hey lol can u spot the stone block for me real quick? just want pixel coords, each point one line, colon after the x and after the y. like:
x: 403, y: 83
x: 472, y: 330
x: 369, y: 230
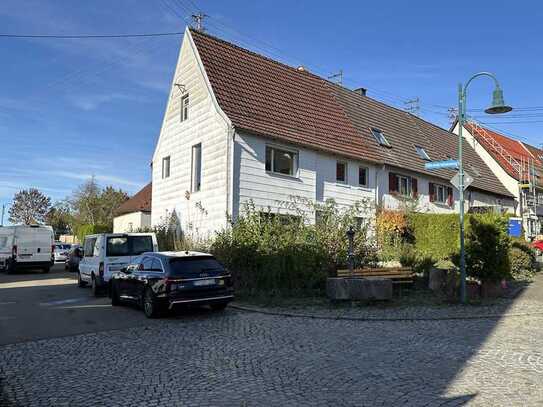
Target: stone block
x: 437, y: 279
x: 372, y: 288
x: 337, y: 288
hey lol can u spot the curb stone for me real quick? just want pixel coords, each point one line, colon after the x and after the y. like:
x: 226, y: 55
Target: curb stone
x: 378, y: 319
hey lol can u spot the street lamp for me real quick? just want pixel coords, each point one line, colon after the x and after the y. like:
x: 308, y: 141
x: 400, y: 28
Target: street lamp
x: 498, y: 106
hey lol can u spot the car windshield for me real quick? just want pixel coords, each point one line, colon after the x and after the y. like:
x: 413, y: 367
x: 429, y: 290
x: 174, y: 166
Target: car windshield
x: 128, y: 245
x: 189, y: 265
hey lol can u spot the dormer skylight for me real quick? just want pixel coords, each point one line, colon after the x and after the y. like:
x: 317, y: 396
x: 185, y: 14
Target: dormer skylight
x: 422, y: 153
x: 380, y: 137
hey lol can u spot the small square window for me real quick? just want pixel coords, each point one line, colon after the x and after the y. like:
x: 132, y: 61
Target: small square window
x: 166, y: 167
x: 281, y: 161
x: 362, y: 176
x: 422, y: 153
x: 341, y: 172
x: 380, y: 137
x: 184, y: 107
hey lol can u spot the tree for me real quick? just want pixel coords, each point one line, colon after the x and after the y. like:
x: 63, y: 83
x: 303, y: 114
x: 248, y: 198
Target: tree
x: 95, y: 206
x: 29, y: 206
x: 60, y: 217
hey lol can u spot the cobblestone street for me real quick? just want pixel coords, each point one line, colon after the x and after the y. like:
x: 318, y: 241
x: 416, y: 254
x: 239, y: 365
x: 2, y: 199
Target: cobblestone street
x: 247, y: 359
x: 95, y: 355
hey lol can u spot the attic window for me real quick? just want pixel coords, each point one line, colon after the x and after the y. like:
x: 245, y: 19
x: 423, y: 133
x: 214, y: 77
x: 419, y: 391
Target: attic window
x: 422, y: 153
x: 380, y: 137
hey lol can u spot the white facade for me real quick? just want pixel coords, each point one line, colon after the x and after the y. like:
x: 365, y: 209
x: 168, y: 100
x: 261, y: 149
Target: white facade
x: 233, y: 166
x: 203, y: 211
x: 131, y: 222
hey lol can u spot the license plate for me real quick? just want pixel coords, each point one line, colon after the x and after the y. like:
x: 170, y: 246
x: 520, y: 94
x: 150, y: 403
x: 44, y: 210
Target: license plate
x: 200, y: 283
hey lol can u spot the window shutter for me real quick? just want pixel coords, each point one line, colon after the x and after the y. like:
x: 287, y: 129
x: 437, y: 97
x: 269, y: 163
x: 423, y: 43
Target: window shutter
x: 414, y: 187
x: 392, y: 182
x: 431, y: 191
x: 450, y: 198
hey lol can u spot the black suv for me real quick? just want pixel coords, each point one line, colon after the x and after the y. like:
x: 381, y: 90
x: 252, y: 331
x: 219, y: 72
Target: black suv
x: 159, y: 281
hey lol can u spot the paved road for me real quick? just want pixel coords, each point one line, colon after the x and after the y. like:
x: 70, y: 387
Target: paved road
x: 246, y: 359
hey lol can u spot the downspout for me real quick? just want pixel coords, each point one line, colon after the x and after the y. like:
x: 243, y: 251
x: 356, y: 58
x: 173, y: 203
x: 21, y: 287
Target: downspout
x: 230, y: 139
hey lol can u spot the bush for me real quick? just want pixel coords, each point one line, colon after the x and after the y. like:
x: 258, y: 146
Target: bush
x: 523, y: 261
x: 487, y: 248
x: 284, y: 254
x: 84, y: 230
x: 435, y: 235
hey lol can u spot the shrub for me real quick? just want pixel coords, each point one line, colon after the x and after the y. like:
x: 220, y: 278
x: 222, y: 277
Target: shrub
x: 285, y: 254
x: 435, y: 235
x: 487, y: 248
x: 84, y: 230
x: 523, y: 261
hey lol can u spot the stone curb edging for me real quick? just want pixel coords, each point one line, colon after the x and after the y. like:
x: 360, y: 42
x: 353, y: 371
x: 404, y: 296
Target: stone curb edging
x: 376, y: 319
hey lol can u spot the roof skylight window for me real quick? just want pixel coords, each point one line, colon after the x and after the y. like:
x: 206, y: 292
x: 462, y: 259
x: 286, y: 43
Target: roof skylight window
x: 422, y: 153
x: 380, y: 137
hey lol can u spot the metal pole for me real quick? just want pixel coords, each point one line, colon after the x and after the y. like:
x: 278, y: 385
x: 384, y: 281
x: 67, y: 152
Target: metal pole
x: 461, y: 112
x: 350, y: 255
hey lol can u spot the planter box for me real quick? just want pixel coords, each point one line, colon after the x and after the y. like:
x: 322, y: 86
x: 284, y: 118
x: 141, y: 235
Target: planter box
x: 359, y: 289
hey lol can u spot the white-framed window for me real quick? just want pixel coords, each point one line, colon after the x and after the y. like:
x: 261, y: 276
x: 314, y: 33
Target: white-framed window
x: 281, y: 161
x: 341, y: 172
x: 402, y: 185
x: 363, y: 176
x: 165, y: 167
x: 184, y: 107
x: 380, y: 137
x: 422, y: 153
x: 196, y: 177
x: 441, y: 194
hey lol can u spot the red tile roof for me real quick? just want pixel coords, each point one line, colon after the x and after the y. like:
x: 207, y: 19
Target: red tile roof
x: 522, y: 153
x: 140, y: 202
x: 268, y: 98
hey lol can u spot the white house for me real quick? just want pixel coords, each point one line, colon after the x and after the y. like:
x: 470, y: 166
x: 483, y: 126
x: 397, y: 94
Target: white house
x: 135, y: 213
x: 240, y: 127
x: 518, y: 165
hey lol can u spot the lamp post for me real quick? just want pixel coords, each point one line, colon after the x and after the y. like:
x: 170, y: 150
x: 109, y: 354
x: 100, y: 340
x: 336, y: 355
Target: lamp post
x: 498, y: 106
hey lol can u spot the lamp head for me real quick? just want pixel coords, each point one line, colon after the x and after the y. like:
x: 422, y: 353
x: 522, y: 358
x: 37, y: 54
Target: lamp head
x: 498, y: 105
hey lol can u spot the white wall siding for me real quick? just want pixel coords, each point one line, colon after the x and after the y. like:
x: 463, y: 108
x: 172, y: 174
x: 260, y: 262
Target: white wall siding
x: 315, y: 181
x: 131, y: 222
x: 205, y: 125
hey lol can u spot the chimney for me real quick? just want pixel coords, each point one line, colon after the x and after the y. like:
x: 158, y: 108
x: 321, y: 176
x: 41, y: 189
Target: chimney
x: 361, y: 91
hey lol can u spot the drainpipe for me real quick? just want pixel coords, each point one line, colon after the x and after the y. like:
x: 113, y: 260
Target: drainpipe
x: 230, y: 138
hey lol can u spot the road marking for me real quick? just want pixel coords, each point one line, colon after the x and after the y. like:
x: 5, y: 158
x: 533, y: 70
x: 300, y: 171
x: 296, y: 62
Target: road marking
x: 38, y: 283
x: 86, y: 306
x: 8, y: 303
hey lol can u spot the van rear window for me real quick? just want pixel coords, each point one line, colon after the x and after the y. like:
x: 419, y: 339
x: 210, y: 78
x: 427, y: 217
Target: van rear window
x: 128, y: 245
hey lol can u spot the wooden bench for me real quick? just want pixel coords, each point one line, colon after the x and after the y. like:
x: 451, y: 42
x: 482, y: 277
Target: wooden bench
x: 398, y: 275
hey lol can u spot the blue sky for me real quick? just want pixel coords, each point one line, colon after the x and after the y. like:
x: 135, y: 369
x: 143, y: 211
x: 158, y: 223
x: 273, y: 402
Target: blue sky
x: 73, y: 108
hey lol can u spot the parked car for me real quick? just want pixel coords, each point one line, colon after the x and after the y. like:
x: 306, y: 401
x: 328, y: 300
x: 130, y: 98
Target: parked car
x: 31, y: 247
x: 538, y: 245
x: 6, y: 245
x: 61, y: 252
x: 106, y: 253
x: 161, y: 281
x: 73, y: 257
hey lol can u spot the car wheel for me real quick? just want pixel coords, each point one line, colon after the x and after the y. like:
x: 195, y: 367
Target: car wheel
x: 219, y: 306
x: 95, y: 289
x: 115, y: 300
x: 150, y: 306
x: 80, y: 282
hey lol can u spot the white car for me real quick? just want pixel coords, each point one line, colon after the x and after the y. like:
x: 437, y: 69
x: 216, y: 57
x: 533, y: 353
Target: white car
x: 31, y: 247
x: 61, y: 252
x: 106, y: 253
x: 6, y: 245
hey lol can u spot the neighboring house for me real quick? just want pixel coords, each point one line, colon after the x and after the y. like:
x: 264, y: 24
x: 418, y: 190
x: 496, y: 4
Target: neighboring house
x: 518, y: 165
x: 240, y: 127
x: 135, y: 213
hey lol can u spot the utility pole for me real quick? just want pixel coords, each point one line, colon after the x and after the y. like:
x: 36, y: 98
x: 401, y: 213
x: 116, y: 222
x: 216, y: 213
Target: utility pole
x: 338, y: 77
x: 412, y: 106
x: 199, y: 20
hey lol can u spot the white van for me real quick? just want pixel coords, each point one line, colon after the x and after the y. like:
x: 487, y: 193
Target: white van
x: 109, y: 252
x: 31, y: 246
x: 6, y: 245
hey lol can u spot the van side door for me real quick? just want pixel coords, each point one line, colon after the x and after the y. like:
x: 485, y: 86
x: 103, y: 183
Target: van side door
x: 88, y: 255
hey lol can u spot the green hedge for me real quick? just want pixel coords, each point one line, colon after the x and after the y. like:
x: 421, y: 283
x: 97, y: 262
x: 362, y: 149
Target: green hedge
x: 434, y: 235
x: 84, y: 230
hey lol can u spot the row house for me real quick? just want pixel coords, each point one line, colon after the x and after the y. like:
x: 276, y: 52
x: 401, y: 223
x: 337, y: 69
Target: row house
x: 240, y: 127
x: 518, y: 165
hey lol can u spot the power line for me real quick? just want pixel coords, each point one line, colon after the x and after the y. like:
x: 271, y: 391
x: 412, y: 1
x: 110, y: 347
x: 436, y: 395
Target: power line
x: 91, y: 36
